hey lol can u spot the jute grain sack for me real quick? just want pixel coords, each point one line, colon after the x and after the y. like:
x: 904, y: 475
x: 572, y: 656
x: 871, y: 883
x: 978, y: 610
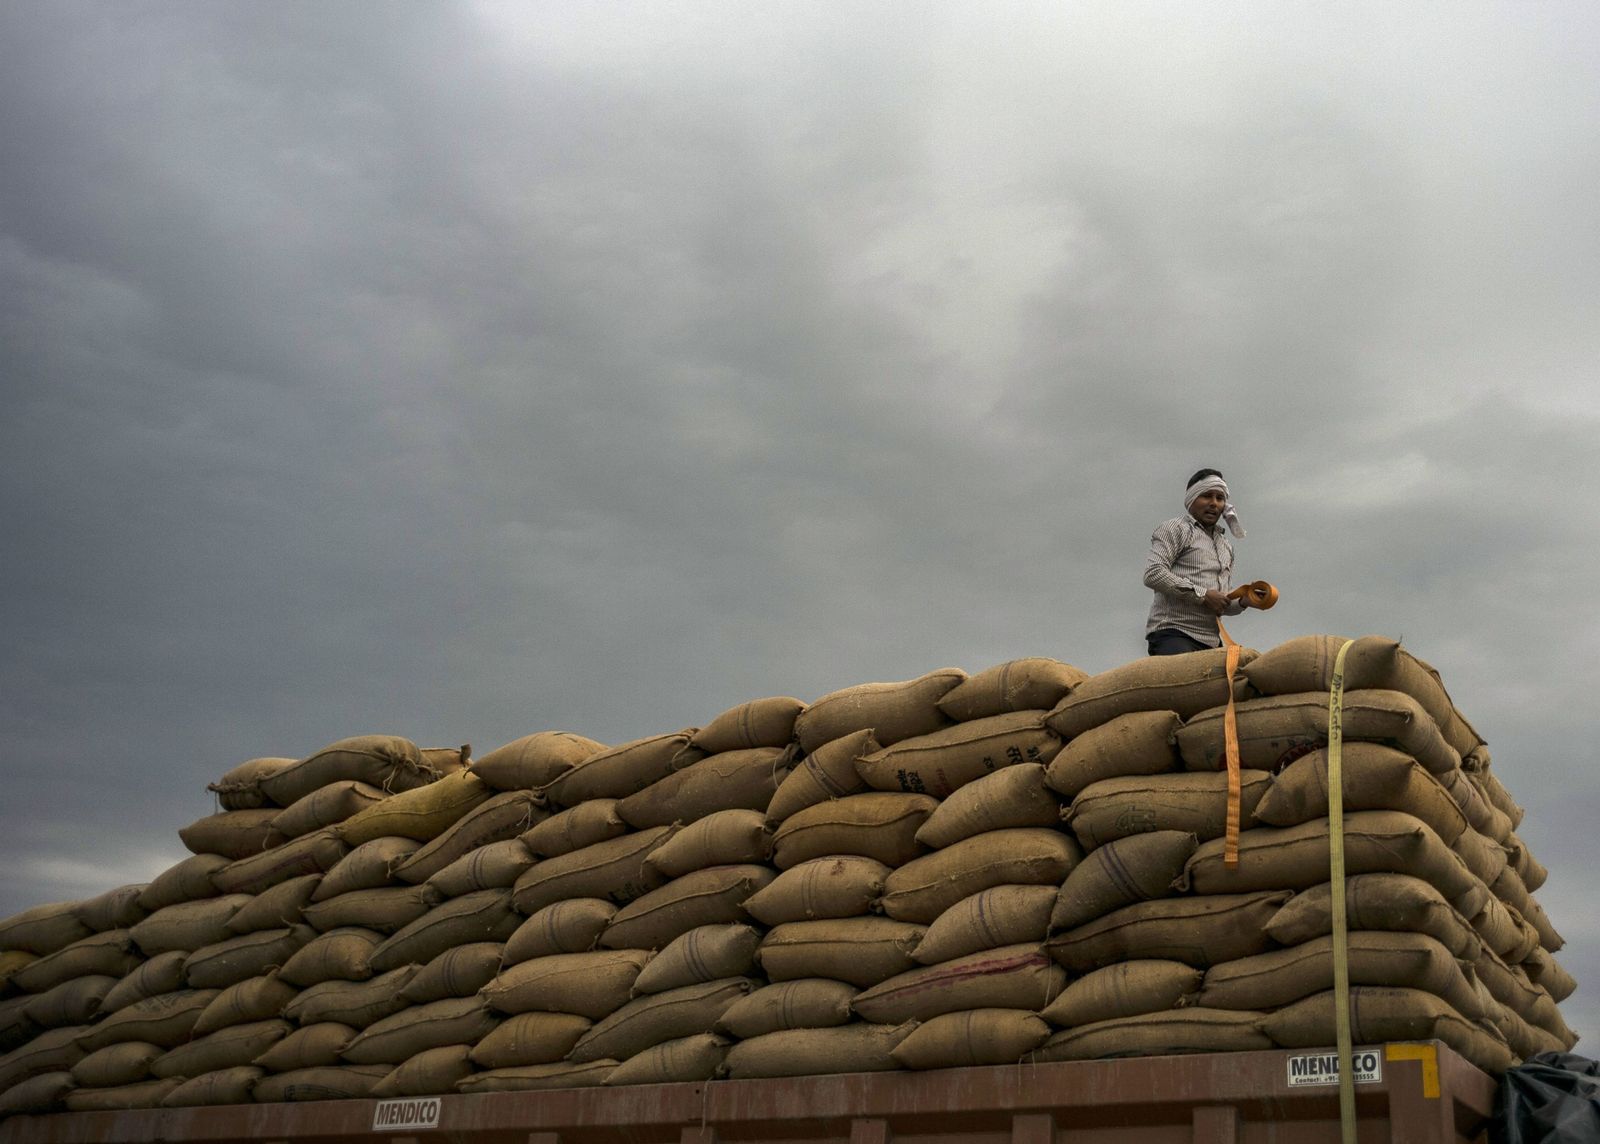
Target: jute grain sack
x: 758, y: 723
x: 334, y: 1082
x: 367, y: 867
x: 1306, y: 663
x: 233, y: 833
x: 15, y: 1028
x: 384, y: 761
x: 861, y: 951
x: 1544, y: 970
x: 326, y: 806
x: 1012, y: 797
x: 1199, y: 931
x: 74, y: 1002
x: 613, y: 869
x: 533, y: 1078
x: 534, y: 761
x: 1493, y: 791
x: 570, y: 926
x: 53, y: 1050
x: 145, y: 1094
x: 658, y: 1017
x: 163, y: 973
x: 166, y: 1020
x: 705, y: 953
x: 1502, y: 929
x: 591, y: 985
x: 1532, y: 872
x: 1510, y: 890
x: 925, y: 887
x: 875, y: 825
x: 828, y: 772
x: 423, y: 813
x: 234, y: 959
x: 40, y: 1094
x: 1193, y: 803
x: 1188, y: 684
x: 232, y: 1047
x: 254, y: 999
x: 281, y: 905
x: 1137, y: 868
x: 387, y: 909
x: 529, y: 1039
x: 1393, y: 902
x: 972, y: 1037
x: 724, y: 838
x: 1296, y: 857
x: 703, y: 897
x: 685, y: 1059
x: 498, y: 820
x: 187, y: 881
x: 988, y: 919
x: 402, y: 1035
x: 496, y: 866
x: 13, y: 961
x: 849, y: 1048
x: 805, y: 1003
x: 732, y: 780
x: 111, y: 953
x: 116, y: 909
x: 1138, y: 743
x: 1386, y: 1014
x: 482, y: 916
x: 123, y: 1063
x: 1376, y: 777
x: 622, y: 770
x: 1485, y: 858
x: 187, y: 926
x: 354, y: 1003
x: 459, y: 971
x: 838, y: 886
x: 223, y: 1086
x: 1480, y: 813
x: 43, y: 929
x: 240, y: 787
x: 1191, y: 1030
x: 1511, y: 987
x: 1034, y: 683
x: 310, y: 1046
x: 1012, y: 977
x: 892, y: 711
x: 1280, y: 977
x: 1278, y: 729
x: 431, y: 1072
x: 943, y: 761
x: 342, y: 954
x: 1125, y: 989
x: 573, y: 829
x: 314, y: 853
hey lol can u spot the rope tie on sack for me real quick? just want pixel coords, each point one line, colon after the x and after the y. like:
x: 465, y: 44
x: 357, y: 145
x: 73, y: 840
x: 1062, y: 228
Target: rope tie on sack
x: 1258, y: 594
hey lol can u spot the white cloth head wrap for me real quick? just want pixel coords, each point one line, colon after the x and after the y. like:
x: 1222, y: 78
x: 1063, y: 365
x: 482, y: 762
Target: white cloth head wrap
x: 1205, y: 485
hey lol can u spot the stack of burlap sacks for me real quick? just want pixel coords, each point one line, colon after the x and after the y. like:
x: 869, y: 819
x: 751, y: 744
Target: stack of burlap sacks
x: 1021, y: 865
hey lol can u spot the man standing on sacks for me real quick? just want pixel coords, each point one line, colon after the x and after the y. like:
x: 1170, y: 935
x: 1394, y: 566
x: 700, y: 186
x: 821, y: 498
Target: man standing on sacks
x: 1190, y: 569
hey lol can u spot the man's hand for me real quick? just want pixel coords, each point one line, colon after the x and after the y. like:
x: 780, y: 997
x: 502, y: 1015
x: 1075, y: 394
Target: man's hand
x: 1216, y: 601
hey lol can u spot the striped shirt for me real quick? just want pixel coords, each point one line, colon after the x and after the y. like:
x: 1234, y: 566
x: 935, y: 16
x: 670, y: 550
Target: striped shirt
x: 1184, y: 561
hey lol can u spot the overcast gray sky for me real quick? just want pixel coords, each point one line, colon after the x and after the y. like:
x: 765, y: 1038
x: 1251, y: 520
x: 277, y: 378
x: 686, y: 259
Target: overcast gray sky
x: 465, y: 370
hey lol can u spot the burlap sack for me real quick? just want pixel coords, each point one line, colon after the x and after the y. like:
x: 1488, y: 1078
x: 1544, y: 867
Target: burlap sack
x: 223, y: 1086
x: 144, y: 1094
x: 1137, y: 868
x: 43, y: 929
x: 1012, y: 977
x: 1014, y: 796
x: 1510, y: 890
x: 805, y: 1003
x: 1544, y: 970
x: 861, y: 951
x: 114, y: 909
x: 335, y: 1082
x: 925, y: 887
x: 496, y: 866
x: 732, y: 780
x: 658, y: 1017
x: 1187, y: 684
x: 1485, y: 858
x: 384, y: 761
x: 1195, y: 803
x: 838, y: 886
x: 423, y: 813
x: 692, y: 1058
x: 1476, y: 764
x: 724, y: 838
x: 112, y: 953
x: 1124, y: 989
x: 828, y: 772
x: 314, y: 853
x: 233, y: 1047
x: 891, y: 711
x: 1138, y: 743
x: 591, y: 985
x: 498, y: 820
x: 613, y: 869
x: 946, y: 760
x: 326, y: 806
x: 1306, y: 663
x: 533, y: 1078
x: 758, y: 723
x: 187, y: 881
x: 126, y: 1062
x: 529, y: 1039
x: 1375, y: 778
x: 54, y: 1050
x: 459, y: 971
x: 972, y: 1037
x: 187, y: 926
x: 482, y: 916
x: 354, y: 1003
x: 254, y: 999
x: 571, y: 926
x: 240, y: 787
x: 233, y: 833
x: 416, y: 1028
x: 40, y: 1094
x: 387, y: 909
x: 163, y: 973
x: 1384, y: 1014
x: 622, y: 770
x: 704, y: 897
x: 1199, y: 931
x: 74, y: 1002
x: 1532, y: 872
x: 534, y: 761
x: 1480, y: 813
x: 705, y: 953
x: 573, y: 829
x: 282, y: 905
x: 13, y: 961
x: 1502, y: 929
x: 431, y: 1072
x: 1157, y: 1034
x: 234, y: 959
x: 988, y: 919
x: 1512, y: 988
x: 875, y: 825
x: 342, y: 954
x: 310, y: 1046
x: 849, y: 1048
x: 1393, y: 902
x: 167, y: 1020
x: 367, y: 867
x: 1031, y: 684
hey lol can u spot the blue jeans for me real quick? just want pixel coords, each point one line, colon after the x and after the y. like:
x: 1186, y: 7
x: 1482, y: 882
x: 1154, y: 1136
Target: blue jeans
x: 1170, y: 641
